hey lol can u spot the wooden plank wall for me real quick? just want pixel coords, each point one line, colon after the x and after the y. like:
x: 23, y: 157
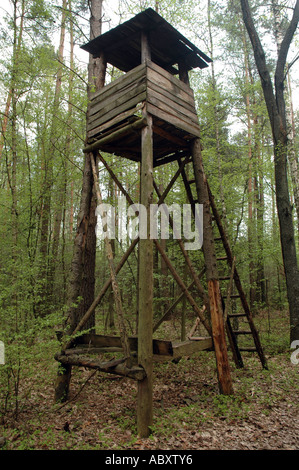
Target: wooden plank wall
x: 171, y: 100
x: 167, y: 98
x: 117, y: 101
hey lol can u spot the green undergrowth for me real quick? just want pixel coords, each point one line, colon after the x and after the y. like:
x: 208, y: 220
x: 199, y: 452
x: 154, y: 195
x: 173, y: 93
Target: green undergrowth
x: 101, y: 413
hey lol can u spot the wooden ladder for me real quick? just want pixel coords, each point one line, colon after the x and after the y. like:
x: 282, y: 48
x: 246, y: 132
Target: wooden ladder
x: 233, y: 334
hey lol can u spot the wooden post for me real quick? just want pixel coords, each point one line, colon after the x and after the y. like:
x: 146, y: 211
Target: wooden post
x: 216, y: 311
x: 145, y: 319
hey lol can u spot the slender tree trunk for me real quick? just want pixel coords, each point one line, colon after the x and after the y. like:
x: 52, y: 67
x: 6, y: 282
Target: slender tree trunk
x: 216, y: 119
x: 62, y: 176
x: 16, y: 54
x: 14, y: 208
x: 260, y: 207
x: 250, y: 187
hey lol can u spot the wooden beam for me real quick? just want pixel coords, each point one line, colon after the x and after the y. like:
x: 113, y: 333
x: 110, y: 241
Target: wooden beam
x: 168, y: 136
x: 86, y: 349
x: 161, y: 347
x: 145, y: 296
x: 112, y: 367
x: 223, y: 369
x: 116, y: 135
x: 187, y: 348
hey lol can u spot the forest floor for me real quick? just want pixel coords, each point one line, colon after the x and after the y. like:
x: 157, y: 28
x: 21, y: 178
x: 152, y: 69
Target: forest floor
x: 189, y: 413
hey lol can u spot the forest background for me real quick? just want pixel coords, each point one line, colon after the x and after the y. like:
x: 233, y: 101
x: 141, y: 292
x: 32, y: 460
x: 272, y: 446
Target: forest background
x: 43, y: 93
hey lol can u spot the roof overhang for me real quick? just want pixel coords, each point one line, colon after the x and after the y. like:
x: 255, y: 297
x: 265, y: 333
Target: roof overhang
x: 122, y: 45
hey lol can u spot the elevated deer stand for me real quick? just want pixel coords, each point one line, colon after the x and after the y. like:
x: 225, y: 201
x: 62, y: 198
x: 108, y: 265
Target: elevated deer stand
x: 148, y: 115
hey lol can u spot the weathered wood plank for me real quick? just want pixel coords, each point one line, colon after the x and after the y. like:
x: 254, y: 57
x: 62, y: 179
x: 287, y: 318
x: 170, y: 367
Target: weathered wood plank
x: 116, y: 98
x: 113, y: 106
x: 187, y: 348
x: 86, y: 349
x: 173, y: 80
x: 113, y: 122
x: 120, y: 82
x: 162, y: 347
x: 107, y: 115
x: 167, y: 105
x: 101, y: 341
x: 184, y: 101
x: 116, y: 135
x: 191, y: 129
x: 165, y: 84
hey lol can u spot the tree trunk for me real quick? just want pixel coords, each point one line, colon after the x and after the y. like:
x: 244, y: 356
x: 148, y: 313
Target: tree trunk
x: 276, y: 110
x: 250, y: 227
x: 82, y: 276
x: 292, y: 157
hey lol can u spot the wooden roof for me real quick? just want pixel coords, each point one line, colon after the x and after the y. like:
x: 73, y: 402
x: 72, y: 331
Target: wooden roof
x: 122, y: 45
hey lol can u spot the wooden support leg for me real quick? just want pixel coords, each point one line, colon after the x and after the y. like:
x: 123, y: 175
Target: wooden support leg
x: 216, y: 311
x: 145, y: 319
x: 224, y: 378
x: 62, y: 383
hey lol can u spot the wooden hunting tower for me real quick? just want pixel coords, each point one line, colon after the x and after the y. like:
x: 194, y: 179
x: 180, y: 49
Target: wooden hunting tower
x: 152, y: 53
x: 148, y: 115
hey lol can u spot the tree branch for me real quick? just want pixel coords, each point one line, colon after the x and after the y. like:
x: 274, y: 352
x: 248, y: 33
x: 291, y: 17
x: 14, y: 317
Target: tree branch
x: 260, y: 61
x: 281, y: 61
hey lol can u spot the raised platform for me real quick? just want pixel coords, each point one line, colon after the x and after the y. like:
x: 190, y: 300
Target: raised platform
x: 87, y: 347
x: 163, y: 348
x: 115, y: 115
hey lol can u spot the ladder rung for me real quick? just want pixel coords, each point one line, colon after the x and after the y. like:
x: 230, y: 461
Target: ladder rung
x: 242, y: 332
x: 222, y: 258
x: 236, y: 315
x: 217, y: 239
x: 224, y: 278
x: 234, y: 296
x: 191, y: 181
